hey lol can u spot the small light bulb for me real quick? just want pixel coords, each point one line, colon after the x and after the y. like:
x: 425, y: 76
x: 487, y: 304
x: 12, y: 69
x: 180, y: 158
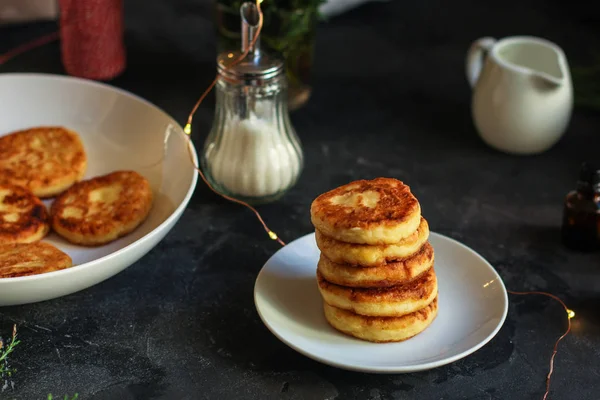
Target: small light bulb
x: 187, y: 129
x: 272, y: 235
x: 570, y: 313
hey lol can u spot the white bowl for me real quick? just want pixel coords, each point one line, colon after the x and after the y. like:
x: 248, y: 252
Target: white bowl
x: 119, y: 131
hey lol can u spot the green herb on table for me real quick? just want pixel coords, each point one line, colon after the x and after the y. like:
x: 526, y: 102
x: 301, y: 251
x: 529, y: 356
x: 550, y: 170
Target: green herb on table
x: 6, y: 348
x: 64, y: 398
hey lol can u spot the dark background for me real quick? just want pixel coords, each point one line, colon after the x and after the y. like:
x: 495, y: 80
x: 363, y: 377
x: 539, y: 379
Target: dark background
x: 390, y: 99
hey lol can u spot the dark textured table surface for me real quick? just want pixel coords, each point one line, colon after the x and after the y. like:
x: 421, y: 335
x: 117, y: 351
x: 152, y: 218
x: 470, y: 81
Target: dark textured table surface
x: 181, y: 322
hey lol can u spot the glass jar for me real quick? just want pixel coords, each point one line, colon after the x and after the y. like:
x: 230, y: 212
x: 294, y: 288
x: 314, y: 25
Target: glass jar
x: 252, y: 152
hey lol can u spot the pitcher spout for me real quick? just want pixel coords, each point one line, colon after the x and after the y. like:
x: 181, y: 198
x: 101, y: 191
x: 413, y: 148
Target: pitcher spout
x: 537, y: 57
x: 556, y: 71
x: 549, y: 80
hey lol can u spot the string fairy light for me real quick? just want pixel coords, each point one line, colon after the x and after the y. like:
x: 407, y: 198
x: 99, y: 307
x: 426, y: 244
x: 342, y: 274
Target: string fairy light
x: 272, y: 235
x: 188, y: 128
x: 570, y: 315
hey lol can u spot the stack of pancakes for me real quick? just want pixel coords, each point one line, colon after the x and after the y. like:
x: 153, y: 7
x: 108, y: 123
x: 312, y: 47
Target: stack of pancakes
x: 375, y: 271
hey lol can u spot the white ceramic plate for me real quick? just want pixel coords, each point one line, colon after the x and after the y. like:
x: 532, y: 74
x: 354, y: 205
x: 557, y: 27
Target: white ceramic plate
x: 472, y: 307
x: 119, y: 131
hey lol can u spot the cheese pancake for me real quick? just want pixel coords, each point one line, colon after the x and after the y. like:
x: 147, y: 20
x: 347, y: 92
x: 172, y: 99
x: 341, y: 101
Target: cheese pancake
x: 390, y: 274
x: 365, y: 255
x: 102, y: 209
x: 381, y: 329
x: 23, y: 259
x: 393, y: 301
x: 23, y: 217
x: 45, y: 160
x: 379, y: 211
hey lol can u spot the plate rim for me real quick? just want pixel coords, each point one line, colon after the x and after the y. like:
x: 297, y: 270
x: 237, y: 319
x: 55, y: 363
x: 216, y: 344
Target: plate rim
x: 156, y: 231
x: 391, y: 369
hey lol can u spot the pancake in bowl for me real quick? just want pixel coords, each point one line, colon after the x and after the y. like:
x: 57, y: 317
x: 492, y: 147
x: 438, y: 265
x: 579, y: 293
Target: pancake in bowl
x: 24, y: 259
x: 23, y: 217
x: 45, y: 160
x: 393, y: 301
x: 102, y: 209
x: 390, y: 274
x: 372, y: 255
x: 375, y: 212
x: 381, y: 329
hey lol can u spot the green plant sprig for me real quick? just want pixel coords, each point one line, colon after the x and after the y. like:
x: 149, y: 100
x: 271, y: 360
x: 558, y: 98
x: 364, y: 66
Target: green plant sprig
x: 5, y: 350
x: 75, y: 397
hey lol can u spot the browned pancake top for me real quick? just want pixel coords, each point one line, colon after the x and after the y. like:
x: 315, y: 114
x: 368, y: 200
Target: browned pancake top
x: 22, y: 215
x: 41, y: 158
x: 365, y: 202
x: 23, y: 259
x: 100, y: 205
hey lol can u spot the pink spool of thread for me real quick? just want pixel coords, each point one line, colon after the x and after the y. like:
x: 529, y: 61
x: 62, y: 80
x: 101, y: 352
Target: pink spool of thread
x: 91, y: 34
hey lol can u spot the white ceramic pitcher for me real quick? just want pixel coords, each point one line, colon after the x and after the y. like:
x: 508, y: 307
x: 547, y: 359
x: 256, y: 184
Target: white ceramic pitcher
x: 522, y: 93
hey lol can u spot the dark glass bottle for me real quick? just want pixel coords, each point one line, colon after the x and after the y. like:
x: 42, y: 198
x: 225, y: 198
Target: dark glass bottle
x: 581, y: 215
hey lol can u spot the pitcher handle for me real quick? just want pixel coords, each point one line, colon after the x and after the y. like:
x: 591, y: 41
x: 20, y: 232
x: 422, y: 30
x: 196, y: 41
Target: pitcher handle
x: 476, y: 57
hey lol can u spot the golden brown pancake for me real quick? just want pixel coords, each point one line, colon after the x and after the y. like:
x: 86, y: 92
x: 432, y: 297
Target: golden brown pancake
x: 379, y: 211
x: 23, y: 217
x: 372, y: 255
x: 381, y: 329
x: 45, y: 160
x: 390, y: 274
x: 102, y: 209
x: 23, y: 259
x: 393, y: 301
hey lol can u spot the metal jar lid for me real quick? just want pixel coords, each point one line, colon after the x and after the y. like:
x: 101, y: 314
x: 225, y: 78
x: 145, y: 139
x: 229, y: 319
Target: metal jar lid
x: 250, y: 68
x: 257, y: 65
